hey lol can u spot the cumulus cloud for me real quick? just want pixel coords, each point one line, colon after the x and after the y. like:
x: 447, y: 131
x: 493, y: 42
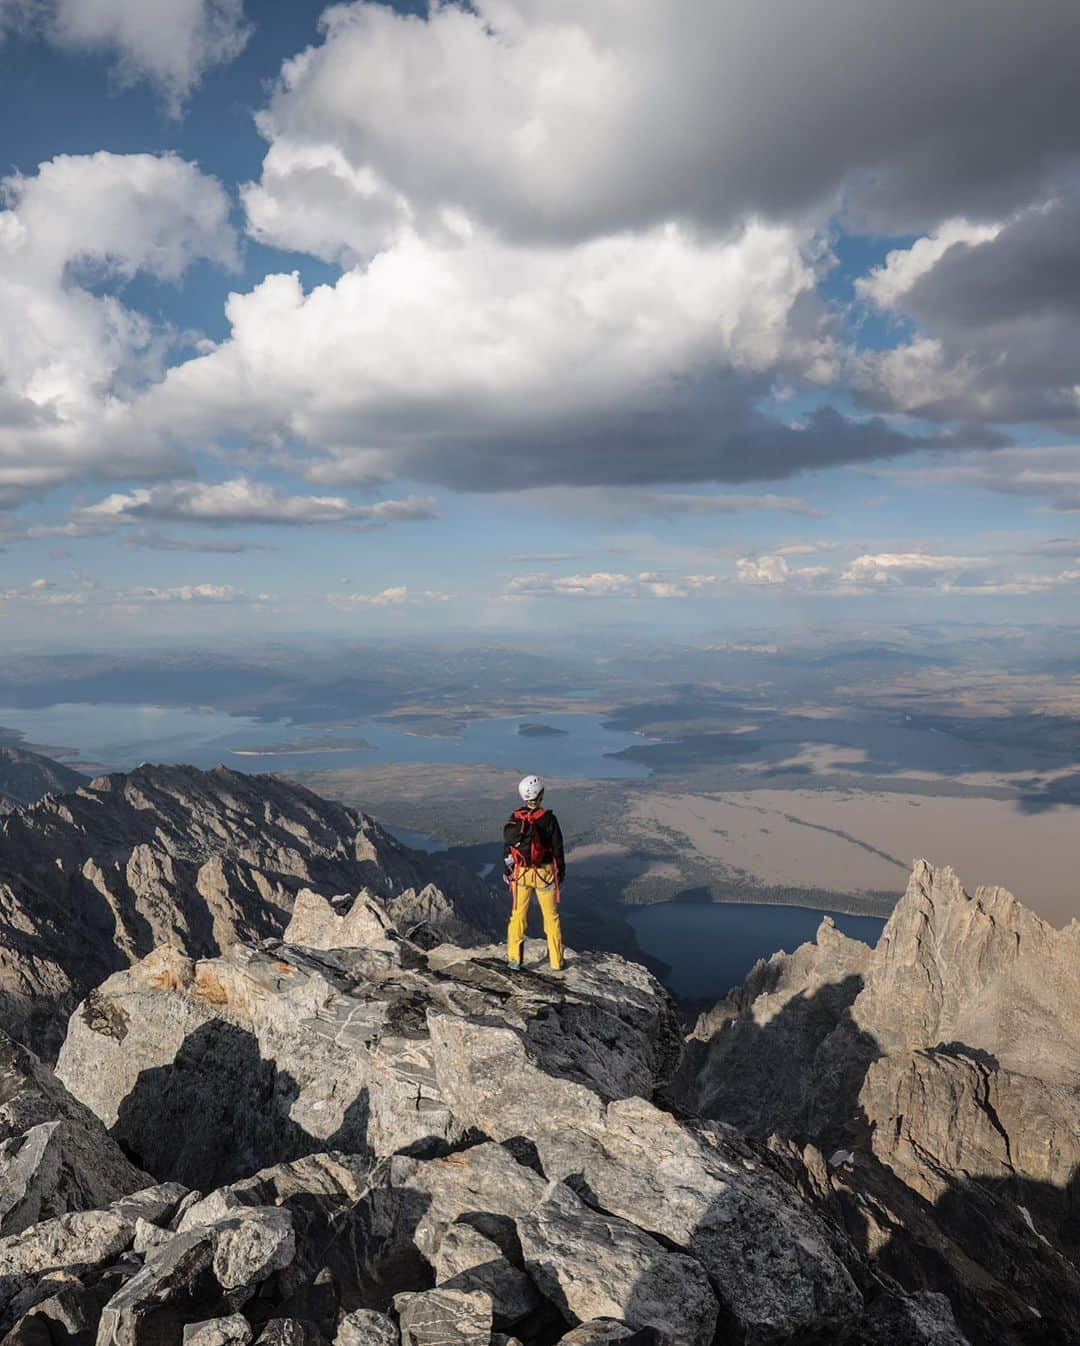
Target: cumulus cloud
x: 997, y: 317
x: 1015, y: 586
x: 608, y: 584
x: 189, y: 593
x: 398, y: 595
x: 776, y: 570
x: 73, y: 591
x: 905, y: 267
x: 896, y: 573
x: 548, y: 218
x: 889, y: 568
x: 79, y: 594
x: 632, y: 359
x: 553, y: 120
x: 581, y: 245
x: 243, y: 501
x: 71, y: 356
x: 806, y: 548
x: 172, y: 43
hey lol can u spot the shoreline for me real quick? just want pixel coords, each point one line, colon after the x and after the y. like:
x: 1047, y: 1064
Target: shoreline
x: 825, y: 904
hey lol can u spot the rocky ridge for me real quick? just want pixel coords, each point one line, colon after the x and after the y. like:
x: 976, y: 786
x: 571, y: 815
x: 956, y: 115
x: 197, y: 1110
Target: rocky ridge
x: 27, y: 776
x: 940, y: 1071
x: 95, y: 879
x: 353, y: 1138
x: 300, y: 1101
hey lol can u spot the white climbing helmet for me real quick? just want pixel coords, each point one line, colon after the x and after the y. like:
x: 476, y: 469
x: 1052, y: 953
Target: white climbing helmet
x: 530, y: 789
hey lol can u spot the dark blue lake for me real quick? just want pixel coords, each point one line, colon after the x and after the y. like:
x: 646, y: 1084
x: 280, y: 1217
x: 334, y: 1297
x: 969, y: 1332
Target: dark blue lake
x: 120, y: 736
x: 710, y: 947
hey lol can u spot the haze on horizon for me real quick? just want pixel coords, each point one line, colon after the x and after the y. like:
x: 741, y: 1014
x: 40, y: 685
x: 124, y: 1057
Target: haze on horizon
x: 527, y: 315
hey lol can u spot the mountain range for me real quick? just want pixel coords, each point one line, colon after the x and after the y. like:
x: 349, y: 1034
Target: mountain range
x: 96, y: 878
x: 266, y: 1078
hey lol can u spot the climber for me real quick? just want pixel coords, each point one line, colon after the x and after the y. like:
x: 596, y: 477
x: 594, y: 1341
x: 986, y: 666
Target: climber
x: 534, y: 863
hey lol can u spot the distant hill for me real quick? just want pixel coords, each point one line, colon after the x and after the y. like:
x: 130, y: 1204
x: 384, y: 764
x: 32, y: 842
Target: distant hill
x: 26, y: 777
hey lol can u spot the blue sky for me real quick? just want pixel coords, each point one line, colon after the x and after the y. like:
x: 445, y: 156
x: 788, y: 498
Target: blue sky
x: 529, y: 316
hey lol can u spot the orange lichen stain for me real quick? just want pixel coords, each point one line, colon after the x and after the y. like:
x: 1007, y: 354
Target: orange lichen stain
x: 209, y: 988
x: 167, y: 980
x: 287, y: 968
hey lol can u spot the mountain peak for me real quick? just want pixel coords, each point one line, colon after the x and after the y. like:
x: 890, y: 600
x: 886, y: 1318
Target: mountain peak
x: 940, y: 1070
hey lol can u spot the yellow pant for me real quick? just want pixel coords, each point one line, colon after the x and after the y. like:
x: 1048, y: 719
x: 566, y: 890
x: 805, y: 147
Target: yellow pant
x: 541, y: 882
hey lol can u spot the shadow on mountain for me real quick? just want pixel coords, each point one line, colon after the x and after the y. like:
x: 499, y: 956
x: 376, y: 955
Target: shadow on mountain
x: 779, y: 1077
x: 1006, y: 1251
x: 219, y: 1111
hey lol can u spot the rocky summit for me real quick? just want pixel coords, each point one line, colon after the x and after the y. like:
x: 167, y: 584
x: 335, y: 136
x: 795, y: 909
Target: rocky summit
x: 300, y: 1100
x: 92, y: 880
x: 926, y: 1093
x: 378, y: 1141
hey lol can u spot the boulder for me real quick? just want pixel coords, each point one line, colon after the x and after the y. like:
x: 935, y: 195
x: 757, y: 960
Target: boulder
x: 601, y: 1331
x: 444, y: 1317
x: 468, y: 1260
x: 771, y: 1261
x: 83, y: 1238
x: 923, y: 1319
x: 149, y: 1236
x: 156, y: 1205
x: 269, y: 1054
x: 592, y: 1265
x: 322, y: 923
x: 484, y: 1185
x: 55, y: 1154
x: 65, y: 1311
x: 174, y: 1287
x: 235, y: 1330
x: 367, y: 1327
x: 290, y: 1332
x: 51, y: 1258
x: 300, y: 1211
x: 251, y: 1246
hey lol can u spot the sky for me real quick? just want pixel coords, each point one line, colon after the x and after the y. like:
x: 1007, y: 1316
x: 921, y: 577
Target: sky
x: 536, y: 317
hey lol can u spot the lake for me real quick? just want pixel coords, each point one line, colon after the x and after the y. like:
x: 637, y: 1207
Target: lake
x: 122, y: 735
x: 710, y: 947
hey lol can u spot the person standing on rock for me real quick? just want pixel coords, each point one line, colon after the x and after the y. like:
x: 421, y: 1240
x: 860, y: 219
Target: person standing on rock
x: 534, y: 862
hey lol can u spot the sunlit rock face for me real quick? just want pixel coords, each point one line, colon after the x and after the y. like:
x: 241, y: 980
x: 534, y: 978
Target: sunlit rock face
x: 387, y: 1138
x: 941, y: 1072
